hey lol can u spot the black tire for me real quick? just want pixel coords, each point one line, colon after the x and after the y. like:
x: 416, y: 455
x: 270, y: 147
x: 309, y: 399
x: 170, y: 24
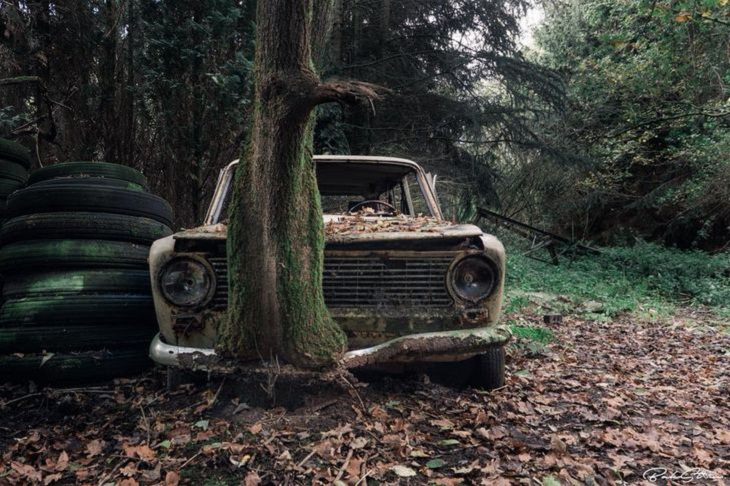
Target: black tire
x: 63, y: 310
x: 9, y: 186
x: 81, y: 367
x: 13, y: 171
x: 74, y: 337
x: 15, y: 152
x: 83, y: 225
x: 88, y: 169
x: 93, y: 181
x: 93, y: 198
x: 17, y: 258
x: 72, y: 282
x: 489, y: 369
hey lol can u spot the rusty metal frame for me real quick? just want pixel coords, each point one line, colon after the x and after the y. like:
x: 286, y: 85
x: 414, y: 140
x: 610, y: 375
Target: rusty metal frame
x: 225, y: 178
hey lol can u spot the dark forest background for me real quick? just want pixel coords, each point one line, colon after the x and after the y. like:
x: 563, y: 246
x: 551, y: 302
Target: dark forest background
x: 611, y: 127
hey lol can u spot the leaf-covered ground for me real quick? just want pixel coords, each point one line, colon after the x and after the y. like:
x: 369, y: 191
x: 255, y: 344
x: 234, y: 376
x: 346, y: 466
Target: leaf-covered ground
x: 602, y: 403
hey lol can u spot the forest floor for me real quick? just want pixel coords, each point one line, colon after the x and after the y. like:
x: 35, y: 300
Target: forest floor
x: 602, y: 402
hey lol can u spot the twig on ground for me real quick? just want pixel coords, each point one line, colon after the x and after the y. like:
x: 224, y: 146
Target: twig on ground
x: 191, y: 459
x: 304, y: 461
x: 109, y: 476
x: 20, y: 399
x: 146, y: 423
x: 344, y: 465
x: 352, y: 387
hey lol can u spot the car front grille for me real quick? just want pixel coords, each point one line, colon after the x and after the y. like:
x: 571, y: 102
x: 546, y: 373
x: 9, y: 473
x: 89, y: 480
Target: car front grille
x: 372, y: 281
x: 220, y: 267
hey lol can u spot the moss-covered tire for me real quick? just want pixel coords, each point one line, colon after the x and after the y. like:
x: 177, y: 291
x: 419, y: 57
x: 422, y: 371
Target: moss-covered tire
x: 92, y: 198
x: 13, y: 171
x: 19, y: 257
x: 62, y: 310
x: 80, y: 367
x: 88, y: 169
x: 83, y: 225
x: 72, y: 282
x: 489, y: 369
x: 9, y: 186
x: 75, y: 337
x: 15, y: 152
x: 95, y: 181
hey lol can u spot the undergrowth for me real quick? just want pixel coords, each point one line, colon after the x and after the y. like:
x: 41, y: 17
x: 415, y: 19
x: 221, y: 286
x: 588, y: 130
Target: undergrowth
x: 646, y: 279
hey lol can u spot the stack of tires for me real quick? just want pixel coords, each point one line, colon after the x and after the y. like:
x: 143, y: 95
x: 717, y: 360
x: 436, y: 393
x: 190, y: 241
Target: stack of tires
x: 14, y: 165
x: 77, y: 303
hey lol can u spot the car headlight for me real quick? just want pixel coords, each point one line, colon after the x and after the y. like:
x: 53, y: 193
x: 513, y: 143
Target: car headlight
x: 474, y: 278
x: 186, y: 282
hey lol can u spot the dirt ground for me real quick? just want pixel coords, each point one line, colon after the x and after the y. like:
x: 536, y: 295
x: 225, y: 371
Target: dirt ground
x: 602, y: 404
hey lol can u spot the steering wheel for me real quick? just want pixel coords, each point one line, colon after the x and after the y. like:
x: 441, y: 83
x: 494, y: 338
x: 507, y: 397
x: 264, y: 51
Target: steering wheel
x: 354, y: 208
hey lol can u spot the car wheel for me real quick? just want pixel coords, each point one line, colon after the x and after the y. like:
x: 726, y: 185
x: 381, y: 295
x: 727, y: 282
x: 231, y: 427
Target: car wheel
x: 71, y: 197
x: 15, y: 152
x: 13, y: 171
x: 52, y: 254
x: 83, y: 225
x: 488, y: 369
x: 88, y: 169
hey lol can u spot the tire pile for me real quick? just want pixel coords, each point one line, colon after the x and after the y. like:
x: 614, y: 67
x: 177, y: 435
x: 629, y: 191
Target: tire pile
x: 76, y: 300
x: 14, y: 165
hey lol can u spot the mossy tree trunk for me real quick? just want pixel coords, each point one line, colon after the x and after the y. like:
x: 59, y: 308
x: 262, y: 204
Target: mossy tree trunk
x: 275, y: 234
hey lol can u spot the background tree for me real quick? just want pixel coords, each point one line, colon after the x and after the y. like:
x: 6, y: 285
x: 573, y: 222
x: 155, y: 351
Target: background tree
x: 165, y: 86
x: 462, y: 90
x: 159, y: 85
x: 647, y: 111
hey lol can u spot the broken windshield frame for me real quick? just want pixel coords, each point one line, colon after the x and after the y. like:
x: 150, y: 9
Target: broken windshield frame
x: 225, y: 179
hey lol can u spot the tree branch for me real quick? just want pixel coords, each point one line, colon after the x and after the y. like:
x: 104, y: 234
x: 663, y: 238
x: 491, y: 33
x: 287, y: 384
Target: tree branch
x: 349, y: 92
x: 20, y: 80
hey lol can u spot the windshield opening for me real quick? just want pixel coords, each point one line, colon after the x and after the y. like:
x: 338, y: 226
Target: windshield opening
x: 365, y: 189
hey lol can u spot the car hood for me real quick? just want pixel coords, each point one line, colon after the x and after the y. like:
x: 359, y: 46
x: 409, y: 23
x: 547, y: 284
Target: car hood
x: 352, y: 229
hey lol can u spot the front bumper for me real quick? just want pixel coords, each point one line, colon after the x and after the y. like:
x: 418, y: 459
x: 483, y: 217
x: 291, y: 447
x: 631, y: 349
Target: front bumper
x: 414, y: 348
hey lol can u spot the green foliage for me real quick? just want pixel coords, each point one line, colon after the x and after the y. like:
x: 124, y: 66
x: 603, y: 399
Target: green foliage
x: 647, y: 105
x: 646, y: 278
x: 531, y: 333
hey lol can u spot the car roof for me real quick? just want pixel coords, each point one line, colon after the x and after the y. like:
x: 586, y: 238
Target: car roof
x: 368, y: 159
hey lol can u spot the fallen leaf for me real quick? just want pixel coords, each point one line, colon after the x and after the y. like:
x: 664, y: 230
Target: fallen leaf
x: 172, y: 478
x: 358, y: 443
x: 94, y: 448
x: 142, y: 451
x: 403, y: 471
x: 52, y: 478
x: 252, y: 479
x: 435, y: 463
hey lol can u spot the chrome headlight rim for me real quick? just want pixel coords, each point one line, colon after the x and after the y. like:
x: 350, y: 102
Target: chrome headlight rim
x: 195, y: 259
x: 452, y: 274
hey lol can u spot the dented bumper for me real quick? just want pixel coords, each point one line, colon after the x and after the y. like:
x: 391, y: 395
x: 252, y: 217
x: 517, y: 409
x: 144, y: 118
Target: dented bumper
x: 422, y: 347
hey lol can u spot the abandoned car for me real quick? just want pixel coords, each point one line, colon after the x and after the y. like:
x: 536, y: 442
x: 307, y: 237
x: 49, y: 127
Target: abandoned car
x: 394, y: 270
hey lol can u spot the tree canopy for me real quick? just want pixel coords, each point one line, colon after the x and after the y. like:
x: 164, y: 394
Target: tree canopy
x: 647, y: 108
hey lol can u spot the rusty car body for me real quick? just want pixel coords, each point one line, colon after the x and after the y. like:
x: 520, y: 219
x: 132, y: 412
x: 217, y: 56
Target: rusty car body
x: 390, y: 275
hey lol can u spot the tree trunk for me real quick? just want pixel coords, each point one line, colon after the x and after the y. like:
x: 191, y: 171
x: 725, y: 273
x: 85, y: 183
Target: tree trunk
x: 275, y: 234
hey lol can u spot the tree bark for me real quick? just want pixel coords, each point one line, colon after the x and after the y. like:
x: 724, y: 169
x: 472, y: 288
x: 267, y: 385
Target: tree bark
x: 275, y: 234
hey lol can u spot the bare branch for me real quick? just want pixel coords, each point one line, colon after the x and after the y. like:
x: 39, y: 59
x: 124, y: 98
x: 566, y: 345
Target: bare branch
x: 20, y: 80
x: 349, y: 92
